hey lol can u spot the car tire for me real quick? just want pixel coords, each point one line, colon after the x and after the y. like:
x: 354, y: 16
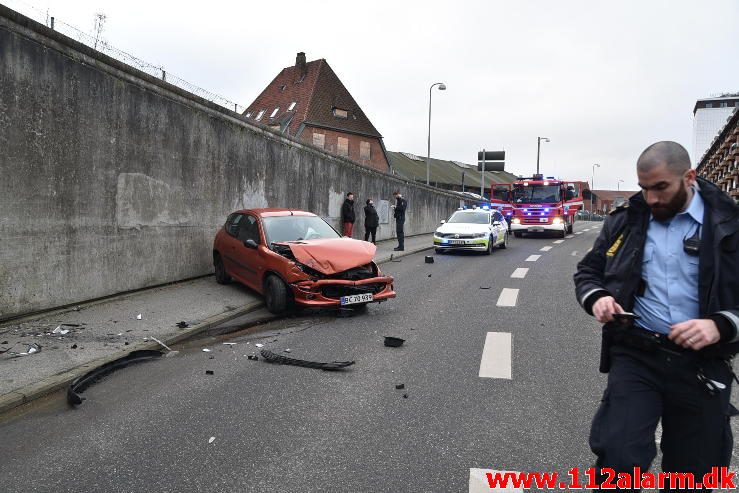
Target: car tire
x: 569, y: 228
x: 517, y: 234
x: 220, y: 270
x: 490, y: 246
x: 562, y: 233
x: 504, y: 245
x: 276, y: 295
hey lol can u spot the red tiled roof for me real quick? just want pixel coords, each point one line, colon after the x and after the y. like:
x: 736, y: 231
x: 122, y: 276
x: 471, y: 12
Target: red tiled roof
x: 316, y: 94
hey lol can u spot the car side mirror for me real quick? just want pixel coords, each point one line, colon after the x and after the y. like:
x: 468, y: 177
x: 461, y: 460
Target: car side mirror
x: 250, y: 244
x: 443, y: 221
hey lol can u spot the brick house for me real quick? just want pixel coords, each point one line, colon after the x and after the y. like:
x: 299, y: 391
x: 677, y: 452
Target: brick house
x: 309, y: 102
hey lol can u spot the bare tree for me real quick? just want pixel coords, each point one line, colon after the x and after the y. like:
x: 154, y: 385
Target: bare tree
x: 99, y: 25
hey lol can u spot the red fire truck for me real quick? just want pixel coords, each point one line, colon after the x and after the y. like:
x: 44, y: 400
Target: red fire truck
x: 539, y: 204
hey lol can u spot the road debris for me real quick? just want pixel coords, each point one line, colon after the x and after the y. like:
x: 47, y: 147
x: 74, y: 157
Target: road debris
x: 138, y: 317
x: 209, y: 372
x: 393, y: 341
x: 60, y: 331
x: 211, y: 439
x: 284, y: 360
x: 405, y: 396
x: 400, y: 386
x: 206, y: 350
x: 74, y: 346
x: 80, y: 384
x: 229, y: 343
x: 485, y: 287
x: 259, y: 345
x: 183, y: 325
x: 160, y: 343
x: 287, y: 350
x: 253, y: 357
x: 429, y: 259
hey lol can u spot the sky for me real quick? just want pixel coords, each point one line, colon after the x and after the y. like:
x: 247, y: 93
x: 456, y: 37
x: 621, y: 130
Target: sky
x: 601, y: 79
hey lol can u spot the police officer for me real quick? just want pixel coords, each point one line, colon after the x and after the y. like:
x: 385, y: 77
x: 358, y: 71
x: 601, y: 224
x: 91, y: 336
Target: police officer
x: 399, y: 214
x: 670, y: 256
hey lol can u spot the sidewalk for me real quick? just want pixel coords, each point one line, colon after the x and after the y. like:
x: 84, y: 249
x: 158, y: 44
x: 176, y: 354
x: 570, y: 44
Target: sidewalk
x: 102, y: 331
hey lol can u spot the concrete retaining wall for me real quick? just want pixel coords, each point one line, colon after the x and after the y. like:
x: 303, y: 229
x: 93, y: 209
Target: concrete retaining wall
x: 111, y: 180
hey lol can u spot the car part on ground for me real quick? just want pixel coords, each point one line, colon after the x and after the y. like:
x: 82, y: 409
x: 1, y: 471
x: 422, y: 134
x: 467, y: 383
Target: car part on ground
x: 391, y: 341
x: 80, y: 384
x: 271, y: 357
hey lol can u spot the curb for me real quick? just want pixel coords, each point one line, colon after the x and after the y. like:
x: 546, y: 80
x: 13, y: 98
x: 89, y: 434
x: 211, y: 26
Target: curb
x: 61, y: 380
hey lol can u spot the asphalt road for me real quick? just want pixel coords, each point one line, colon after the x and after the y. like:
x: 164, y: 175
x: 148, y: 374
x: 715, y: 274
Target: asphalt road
x: 290, y: 429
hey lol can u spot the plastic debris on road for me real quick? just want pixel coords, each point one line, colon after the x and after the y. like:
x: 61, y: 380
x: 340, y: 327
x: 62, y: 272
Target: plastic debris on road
x: 32, y: 349
x: 211, y: 439
x: 138, y: 317
x: 206, y: 350
x: 160, y: 343
x: 60, y: 331
x: 271, y: 357
x: 393, y: 341
x: 183, y: 325
x: 259, y: 345
x: 484, y: 287
x: 400, y: 386
x: 429, y: 259
x: 229, y: 343
x: 209, y: 372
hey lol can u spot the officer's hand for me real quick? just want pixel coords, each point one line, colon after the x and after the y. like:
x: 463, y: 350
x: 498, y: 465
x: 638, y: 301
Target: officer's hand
x: 604, y: 308
x: 695, y: 334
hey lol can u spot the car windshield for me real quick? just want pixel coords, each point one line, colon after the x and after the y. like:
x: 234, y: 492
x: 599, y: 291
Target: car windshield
x: 536, y: 194
x: 470, y: 217
x: 293, y: 228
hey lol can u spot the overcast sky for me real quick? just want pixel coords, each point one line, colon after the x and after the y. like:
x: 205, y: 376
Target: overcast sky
x: 601, y: 79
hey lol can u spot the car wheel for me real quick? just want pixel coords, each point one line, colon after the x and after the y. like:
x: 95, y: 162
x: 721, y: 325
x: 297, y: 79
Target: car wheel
x: 276, y: 295
x: 569, y: 228
x: 220, y: 269
x: 517, y: 234
x: 504, y: 245
x: 490, y: 246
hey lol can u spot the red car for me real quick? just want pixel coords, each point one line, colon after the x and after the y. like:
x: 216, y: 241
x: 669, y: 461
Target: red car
x: 297, y: 258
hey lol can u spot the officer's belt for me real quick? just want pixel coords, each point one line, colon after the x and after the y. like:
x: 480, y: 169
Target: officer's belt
x: 643, y: 339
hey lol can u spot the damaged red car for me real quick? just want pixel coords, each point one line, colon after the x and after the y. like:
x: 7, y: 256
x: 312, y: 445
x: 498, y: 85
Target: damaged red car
x: 296, y: 259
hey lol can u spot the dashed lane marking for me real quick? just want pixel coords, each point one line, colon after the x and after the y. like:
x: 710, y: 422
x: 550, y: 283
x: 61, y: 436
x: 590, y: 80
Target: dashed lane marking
x: 579, y: 233
x: 533, y: 258
x: 586, y: 230
x: 569, y: 237
x: 545, y: 249
x: 559, y: 241
x: 479, y: 481
x: 496, y: 356
x: 508, y: 297
x: 520, y: 273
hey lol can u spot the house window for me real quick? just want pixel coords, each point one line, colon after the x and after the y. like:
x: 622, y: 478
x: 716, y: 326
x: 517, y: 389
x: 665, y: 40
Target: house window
x: 364, y: 151
x: 724, y: 105
x: 339, y: 113
x: 248, y: 115
x: 342, y: 146
x: 292, y: 106
x: 319, y: 140
x: 709, y: 105
x: 274, y: 112
x: 282, y: 87
x: 259, y: 115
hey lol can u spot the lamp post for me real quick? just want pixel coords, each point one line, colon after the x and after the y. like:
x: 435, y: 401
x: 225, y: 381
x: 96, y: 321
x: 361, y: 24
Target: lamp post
x: 442, y: 87
x: 592, y: 189
x: 538, y: 150
x: 618, y: 185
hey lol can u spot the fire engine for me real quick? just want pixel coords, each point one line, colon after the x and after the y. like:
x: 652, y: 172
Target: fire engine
x: 539, y: 204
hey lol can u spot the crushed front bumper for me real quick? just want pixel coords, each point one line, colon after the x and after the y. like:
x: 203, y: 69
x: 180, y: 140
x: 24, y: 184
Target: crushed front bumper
x: 328, y: 292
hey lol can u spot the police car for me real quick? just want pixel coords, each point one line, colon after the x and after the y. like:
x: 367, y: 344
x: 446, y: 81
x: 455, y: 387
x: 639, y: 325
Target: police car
x: 472, y: 229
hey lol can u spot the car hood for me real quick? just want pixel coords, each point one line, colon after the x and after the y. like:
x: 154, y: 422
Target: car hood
x: 463, y: 228
x: 332, y: 255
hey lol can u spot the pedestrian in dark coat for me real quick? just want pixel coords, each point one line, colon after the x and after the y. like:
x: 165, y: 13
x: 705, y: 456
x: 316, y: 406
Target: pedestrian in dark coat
x: 371, y: 220
x: 399, y: 214
x: 347, y: 215
x: 670, y: 256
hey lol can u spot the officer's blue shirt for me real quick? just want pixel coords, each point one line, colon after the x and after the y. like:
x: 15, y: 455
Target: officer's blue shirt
x: 671, y: 275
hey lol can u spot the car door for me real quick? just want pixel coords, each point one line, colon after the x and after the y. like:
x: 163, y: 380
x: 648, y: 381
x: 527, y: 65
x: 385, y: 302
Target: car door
x: 250, y: 257
x: 232, y: 247
x: 500, y: 226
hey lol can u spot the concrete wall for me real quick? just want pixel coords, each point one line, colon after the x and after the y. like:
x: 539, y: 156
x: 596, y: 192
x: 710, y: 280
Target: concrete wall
x: 111, y: 180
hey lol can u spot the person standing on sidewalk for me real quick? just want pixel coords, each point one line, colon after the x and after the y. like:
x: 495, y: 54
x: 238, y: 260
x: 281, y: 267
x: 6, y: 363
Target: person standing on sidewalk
x: 347, y: 215
x: 670, y: 256
x: 371, y: 220
x: 399, y: 215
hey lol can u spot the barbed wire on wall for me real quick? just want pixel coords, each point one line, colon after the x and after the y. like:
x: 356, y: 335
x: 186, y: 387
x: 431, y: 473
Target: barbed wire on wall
x: 98, y: 43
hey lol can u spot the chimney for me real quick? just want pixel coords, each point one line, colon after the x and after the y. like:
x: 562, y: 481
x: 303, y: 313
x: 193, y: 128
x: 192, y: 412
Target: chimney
x: 300, y: 65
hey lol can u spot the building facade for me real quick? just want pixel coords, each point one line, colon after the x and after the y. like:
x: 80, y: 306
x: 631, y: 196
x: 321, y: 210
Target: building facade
x: 720, y: 162
x: 709, y: 117
x: 309, y: 102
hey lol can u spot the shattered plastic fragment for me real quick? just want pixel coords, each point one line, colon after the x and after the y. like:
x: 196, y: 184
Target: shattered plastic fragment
x: 259, y: 345
x: 212, y: 439
x: 400, y: 386
x: 284, y: 360
x: 182, y: 325
x: 287, y: 350
x: 209, y: 372
x: 229, y: 343
x: 206, y: 350
x: 138, y: 317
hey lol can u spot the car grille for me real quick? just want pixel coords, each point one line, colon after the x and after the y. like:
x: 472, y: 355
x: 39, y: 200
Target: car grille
x: 337, y: 291
x: 455, y: 236
x: 535, y: 220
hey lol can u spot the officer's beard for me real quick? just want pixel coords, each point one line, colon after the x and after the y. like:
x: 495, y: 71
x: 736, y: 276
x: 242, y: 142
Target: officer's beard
x: 665, y: 212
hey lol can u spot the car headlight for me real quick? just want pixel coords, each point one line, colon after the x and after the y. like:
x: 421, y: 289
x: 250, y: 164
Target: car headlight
x: 516, y: 220
x: 480, y: 235
x: 557, y: 220
x: 438, y: 235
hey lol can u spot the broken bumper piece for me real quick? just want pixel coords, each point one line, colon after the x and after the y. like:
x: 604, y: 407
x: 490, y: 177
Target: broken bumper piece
x: 284, y: 360
x: 328, y: 292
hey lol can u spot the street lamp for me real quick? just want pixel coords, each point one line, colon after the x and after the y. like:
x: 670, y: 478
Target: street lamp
x: 538, y: 150
x: 442, y: 87
x: 592, y: 189
x: 618, y: 185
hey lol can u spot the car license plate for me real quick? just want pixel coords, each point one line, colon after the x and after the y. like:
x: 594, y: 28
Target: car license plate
x: 543, y: 219
x: 457, y: 242
x: 356, y: 298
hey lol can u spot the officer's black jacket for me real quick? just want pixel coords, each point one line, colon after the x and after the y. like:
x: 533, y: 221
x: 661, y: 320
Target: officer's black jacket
x: 400, y: 207
x: 347, y: 211
x: 371, y: 218
x: 613, y: 266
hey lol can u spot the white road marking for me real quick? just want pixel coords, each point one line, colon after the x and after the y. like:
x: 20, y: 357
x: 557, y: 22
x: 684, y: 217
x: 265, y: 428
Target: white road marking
x: 533, y: 258
x: 545, y: 249
x: 496, y: 356
x: 569, y: 236
x: 574, y: 254
x: 559, y: 241
x: 579, y: 233
x: 586, y: 230
x: 508, y: 297
x: 520, y: 273
x: 479, y: 481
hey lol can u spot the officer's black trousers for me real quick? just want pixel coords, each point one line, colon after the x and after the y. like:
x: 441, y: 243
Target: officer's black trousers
x: 399, y: 230
x: 644, y: 387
